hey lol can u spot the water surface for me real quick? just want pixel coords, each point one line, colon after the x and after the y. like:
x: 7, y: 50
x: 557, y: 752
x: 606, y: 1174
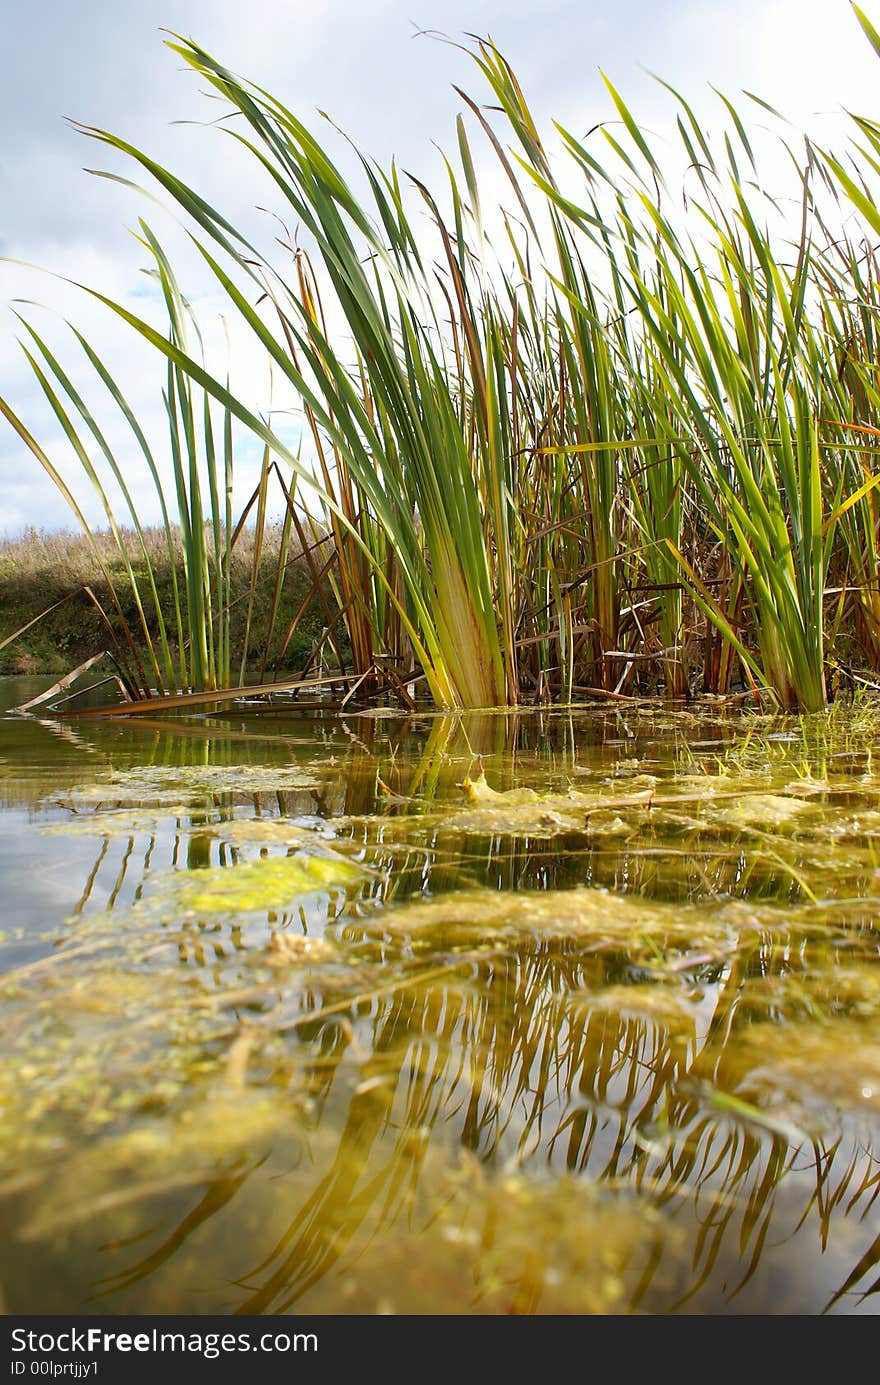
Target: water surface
x: 538, y: 1013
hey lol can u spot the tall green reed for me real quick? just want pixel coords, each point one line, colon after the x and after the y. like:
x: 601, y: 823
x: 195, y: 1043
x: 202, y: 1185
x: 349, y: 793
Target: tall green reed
x: 409, y: 447
x: 538, y: 463
x: 187, y: 647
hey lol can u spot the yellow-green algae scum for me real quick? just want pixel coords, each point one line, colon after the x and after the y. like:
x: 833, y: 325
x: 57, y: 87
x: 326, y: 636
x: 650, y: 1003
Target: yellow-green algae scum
x: 516, y: 1014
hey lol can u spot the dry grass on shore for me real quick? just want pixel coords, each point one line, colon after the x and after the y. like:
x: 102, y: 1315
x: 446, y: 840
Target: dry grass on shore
x: 42, y: 568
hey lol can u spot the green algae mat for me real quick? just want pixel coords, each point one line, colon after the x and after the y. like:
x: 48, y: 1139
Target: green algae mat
x: 559, y: 1013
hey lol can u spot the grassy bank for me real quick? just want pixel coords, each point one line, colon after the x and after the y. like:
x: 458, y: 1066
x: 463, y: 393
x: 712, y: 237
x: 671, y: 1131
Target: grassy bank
x: 40, y: 570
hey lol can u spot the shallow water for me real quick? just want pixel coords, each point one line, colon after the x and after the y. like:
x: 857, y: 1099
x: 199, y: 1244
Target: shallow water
x: 546, y: 1013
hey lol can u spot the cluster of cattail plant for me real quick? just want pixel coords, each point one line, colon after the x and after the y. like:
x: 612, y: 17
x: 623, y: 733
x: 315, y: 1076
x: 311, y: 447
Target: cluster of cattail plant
x: 632, y: 449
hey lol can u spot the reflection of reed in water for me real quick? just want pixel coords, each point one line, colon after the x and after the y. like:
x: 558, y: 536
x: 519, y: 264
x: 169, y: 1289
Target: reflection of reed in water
x: 466, y: 1086
x: 545, y: 1068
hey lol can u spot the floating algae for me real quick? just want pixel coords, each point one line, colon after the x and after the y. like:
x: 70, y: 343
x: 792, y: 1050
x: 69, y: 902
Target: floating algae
x: 121, y: 822
x: 581, y: 1043
x: 147, y: 785
x: 478, y: 791
x: 270, y: 883
x: 299, y: 833
x: 766, y: 811
x: 532, y: 820
x: 671, y: 1007
x: 267, y: 831
x: 526, y: 812
x: 513, y: 1245
x: 287, y: 948
x: 219, y: 1134
x: 813, y: 1065
x: 581, y: 915
x: 115, y: 1029
x: 708, y: 803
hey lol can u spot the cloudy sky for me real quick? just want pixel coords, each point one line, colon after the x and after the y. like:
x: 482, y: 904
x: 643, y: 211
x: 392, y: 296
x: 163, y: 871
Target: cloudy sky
x: 103, y: 62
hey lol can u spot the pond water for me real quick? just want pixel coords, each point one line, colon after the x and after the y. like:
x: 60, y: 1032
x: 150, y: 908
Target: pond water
x: 562, y: 1013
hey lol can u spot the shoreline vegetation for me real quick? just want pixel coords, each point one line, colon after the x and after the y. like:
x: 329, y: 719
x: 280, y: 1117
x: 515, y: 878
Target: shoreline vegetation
x: 620, y: 436
x: 44, y: 577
